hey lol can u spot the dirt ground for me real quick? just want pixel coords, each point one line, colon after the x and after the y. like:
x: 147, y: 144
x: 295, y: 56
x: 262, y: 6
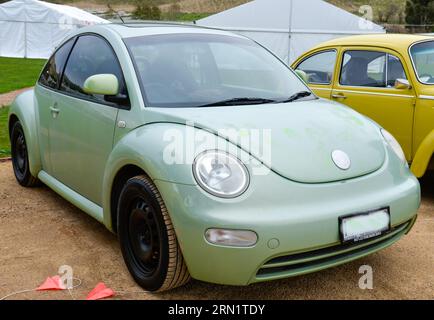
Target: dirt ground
x: 8, y: 98
x: 39, y: 231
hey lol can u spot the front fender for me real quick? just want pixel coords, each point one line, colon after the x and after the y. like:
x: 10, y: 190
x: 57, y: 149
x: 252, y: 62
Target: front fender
x: 423, y: 156
x: 147, y: 148
x: 24, y: 108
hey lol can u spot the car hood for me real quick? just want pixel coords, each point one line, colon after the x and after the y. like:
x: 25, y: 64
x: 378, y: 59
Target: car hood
x: 303, y: 136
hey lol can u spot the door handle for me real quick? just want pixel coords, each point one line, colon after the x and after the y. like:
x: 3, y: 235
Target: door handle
x: 338, y: 96
x: 54, y: 110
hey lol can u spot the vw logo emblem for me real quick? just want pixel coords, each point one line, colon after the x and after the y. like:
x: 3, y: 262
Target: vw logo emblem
x: 341, y: 159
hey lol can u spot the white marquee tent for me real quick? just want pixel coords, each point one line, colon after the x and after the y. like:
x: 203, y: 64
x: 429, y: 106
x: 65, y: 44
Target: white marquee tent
x: 290, y: 27
x: 33, y: 29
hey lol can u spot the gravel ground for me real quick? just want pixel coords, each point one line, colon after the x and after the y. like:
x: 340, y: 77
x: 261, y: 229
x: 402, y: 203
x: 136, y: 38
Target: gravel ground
x: 39, y: 231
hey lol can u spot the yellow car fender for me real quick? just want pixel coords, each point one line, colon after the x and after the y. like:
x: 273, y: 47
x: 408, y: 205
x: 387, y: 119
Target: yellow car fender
x: 423, y: 156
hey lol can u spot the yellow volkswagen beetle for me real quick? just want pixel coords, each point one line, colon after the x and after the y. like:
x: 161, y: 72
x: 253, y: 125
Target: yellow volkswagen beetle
x: 389, y: 78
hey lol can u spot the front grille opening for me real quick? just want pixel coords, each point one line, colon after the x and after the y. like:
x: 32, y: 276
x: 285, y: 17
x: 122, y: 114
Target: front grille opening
x: 321, y: 252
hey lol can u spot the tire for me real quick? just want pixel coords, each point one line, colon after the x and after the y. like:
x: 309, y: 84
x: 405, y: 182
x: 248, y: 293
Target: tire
x: 147, y: 237
x: 20, y: 157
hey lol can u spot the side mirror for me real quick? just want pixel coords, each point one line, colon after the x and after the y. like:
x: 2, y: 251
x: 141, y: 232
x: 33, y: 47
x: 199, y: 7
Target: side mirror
x: 402, y: 84
x: 105, y: 84
x: 302, y: 75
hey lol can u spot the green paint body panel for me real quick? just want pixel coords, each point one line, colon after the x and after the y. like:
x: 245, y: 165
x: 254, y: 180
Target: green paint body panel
x: 303, y: 217
x: 79, y: 201
x: 79, y: 153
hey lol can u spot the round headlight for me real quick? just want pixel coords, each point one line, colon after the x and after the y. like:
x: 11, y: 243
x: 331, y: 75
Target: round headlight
x: 220, y: 174
x: 394, y: 144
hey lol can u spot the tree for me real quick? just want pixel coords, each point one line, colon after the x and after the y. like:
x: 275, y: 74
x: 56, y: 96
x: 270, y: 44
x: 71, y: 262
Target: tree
x: 155, y: 13
x: 147, y: 10
x: 421, y: 13
x: 174, y: 11
x: 390, y: 12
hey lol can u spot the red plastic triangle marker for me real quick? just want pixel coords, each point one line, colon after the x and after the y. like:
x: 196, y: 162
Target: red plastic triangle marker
x: 100, y: 292
x: 51, y: 283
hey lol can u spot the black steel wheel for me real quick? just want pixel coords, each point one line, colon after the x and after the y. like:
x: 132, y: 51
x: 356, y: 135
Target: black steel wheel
x: 147, y: 237
x: 20, y: 157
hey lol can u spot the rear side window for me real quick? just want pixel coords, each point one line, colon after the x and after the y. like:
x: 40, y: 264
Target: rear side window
x: 91, y: 55
x: 51, y: 74
x: 319, y: 67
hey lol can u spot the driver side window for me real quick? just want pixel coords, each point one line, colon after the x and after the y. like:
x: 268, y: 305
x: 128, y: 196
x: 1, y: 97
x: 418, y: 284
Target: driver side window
x: 91, y: 55
x: 371, y: 69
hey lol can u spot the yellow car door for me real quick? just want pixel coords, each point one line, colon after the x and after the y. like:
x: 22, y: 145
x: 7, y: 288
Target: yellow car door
x: 319, y: 69
x: 366, y: 80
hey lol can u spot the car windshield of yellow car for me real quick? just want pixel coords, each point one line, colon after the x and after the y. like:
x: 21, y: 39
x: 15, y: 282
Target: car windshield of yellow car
x: 423, y: 60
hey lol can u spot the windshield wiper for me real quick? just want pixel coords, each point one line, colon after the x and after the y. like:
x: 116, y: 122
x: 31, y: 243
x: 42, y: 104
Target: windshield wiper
x: 238, y: 101
x: 297, y: 96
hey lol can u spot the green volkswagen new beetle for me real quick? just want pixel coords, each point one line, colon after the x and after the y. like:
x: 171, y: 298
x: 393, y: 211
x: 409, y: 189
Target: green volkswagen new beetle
x: 208, y: 157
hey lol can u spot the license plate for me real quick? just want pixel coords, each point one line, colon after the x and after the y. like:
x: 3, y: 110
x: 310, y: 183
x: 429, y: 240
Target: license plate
x: 363, y: 226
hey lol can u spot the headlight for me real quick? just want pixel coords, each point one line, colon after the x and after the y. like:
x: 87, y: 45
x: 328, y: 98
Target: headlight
x: 394, y: 144
x: 220, y: 174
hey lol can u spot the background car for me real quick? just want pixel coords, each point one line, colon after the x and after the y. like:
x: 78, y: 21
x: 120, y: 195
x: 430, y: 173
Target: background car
x: 389, y: 78
x: 111, y: 99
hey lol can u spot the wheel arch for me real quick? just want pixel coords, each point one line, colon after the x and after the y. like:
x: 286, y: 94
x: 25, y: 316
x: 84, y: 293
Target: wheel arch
x: 138, y: 152
x: 125, y: 173
x: 423, y: 156
x: 24, y: 109
x: 12, y: 119
x: 142, y: 151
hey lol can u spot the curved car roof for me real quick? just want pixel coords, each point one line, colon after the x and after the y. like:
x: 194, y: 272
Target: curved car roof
x: 396, y: 42
x: 144, y: 29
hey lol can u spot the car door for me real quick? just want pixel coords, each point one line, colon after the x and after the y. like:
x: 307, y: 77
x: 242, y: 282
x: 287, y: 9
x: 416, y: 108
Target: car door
x: 48, y: 82
x: 366, y: 83
x: 319, y: 68
x: 83, y: 125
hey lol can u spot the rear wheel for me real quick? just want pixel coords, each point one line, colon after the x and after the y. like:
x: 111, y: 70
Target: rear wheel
x: 20, y: 158
x: 147, y: 237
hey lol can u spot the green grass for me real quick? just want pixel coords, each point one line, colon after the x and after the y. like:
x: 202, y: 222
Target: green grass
x: 19, y: 73
x: 191, y: 16
x: 5, y: 147
x: 186, y: 16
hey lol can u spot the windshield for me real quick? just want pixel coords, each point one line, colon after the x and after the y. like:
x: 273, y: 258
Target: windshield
x: 423, y: 60
x: 194, y: 70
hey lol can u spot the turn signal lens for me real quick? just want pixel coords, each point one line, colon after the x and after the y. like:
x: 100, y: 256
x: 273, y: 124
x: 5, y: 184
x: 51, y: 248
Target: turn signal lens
x: 231, y: 238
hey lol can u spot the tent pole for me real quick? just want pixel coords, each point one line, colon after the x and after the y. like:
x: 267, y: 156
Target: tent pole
x: 25, y: 39
x: 290, y: 31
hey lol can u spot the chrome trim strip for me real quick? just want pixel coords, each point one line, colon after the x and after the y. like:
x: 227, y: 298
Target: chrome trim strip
x: 375, y: 93
x: 321, y: 89
x: 424, y: 97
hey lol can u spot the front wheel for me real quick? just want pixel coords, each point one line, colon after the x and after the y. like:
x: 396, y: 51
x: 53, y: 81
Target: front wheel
x: 20, y: 157
x: 147, y: 238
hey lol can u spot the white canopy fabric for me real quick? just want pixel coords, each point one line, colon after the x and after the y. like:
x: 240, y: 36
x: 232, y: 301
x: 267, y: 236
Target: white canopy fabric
x: 290, y: 27
x: 33, y: 29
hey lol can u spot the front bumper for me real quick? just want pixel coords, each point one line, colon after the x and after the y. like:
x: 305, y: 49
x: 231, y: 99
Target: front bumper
x: 296, y: 224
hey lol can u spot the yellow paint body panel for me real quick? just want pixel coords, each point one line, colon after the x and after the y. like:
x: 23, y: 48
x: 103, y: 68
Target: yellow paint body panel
x: 423, y: 156
x: 406, y: 113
